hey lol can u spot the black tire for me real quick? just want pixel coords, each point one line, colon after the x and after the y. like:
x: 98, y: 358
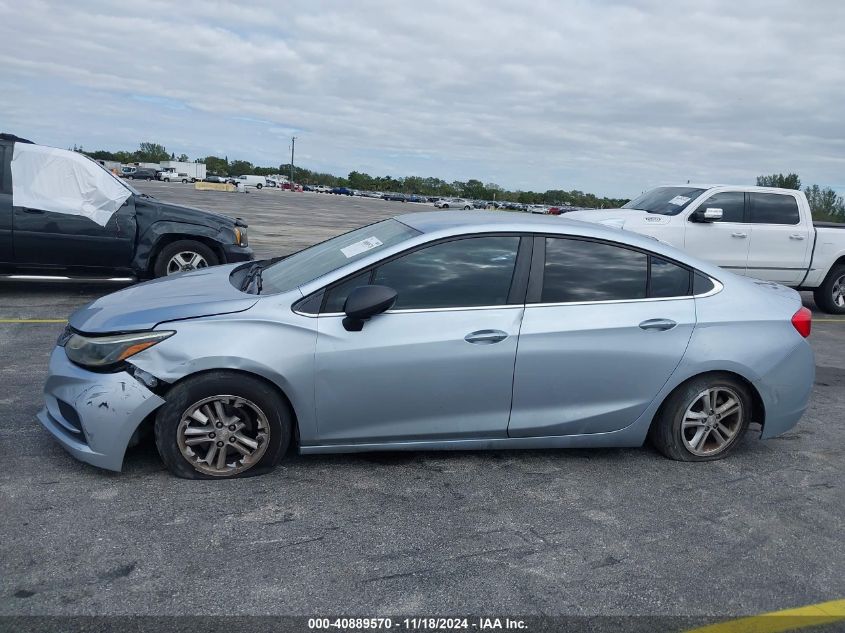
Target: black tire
x: 823, y: 295
x: 194, y: 389
x: 167, y: 180
x: 184, y: 181
x: 259, y: 186
x: 666, y: 431
x: 174, y: 248
x: 148, y: 179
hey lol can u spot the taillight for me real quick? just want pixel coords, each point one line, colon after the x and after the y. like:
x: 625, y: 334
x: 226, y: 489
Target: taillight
x: 803, y: 321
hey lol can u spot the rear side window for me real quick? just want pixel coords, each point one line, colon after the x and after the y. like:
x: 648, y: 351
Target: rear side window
x: 774, y: 208
x: 732, y: 204
x: 461, y: 273
x: 580, y: 270
x: 668, y: 279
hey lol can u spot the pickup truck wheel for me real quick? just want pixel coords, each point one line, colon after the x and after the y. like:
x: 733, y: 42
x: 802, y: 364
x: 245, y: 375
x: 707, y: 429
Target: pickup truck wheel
x: 830, y: 296
x: 183, y: 256
x: 184, y: 181
x: 259, y: 186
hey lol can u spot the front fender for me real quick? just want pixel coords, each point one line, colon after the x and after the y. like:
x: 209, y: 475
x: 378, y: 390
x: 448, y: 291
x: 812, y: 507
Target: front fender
x: 155, y: 235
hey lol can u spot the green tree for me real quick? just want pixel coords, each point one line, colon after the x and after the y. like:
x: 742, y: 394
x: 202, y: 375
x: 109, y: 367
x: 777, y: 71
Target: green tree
x: 240, y: 167
x: 788, y: 181
x: 216, y: 165
x: 825, y: 204
x: 183, y: 158
x: 151, y: 153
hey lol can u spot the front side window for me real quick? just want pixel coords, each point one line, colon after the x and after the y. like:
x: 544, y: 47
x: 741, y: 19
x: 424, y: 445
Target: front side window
x: 774, y: 208
x: 460, y: 273
x: 732, y: 204
x: 581, y: 270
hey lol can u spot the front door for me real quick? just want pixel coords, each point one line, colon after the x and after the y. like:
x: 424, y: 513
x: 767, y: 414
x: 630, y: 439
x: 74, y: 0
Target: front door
x: 600, y: 341
x: 46, y: 238
x: 725, y: 242
x: 439, y: 364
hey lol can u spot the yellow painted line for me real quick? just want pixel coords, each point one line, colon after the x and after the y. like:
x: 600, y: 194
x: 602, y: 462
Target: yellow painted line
x: 33, y: 320
x: 777, y: 621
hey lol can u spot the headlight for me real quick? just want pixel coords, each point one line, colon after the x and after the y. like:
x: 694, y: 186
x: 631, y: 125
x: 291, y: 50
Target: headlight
x: 103, y: 352
x: 240, y: 236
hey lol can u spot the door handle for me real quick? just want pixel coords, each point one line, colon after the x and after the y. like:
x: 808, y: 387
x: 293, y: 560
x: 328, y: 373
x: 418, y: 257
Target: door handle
x: 796, y: 236
x: 738, y: 234
x: 486, y: 337
x: 659, y: 325
x: 33, y: 211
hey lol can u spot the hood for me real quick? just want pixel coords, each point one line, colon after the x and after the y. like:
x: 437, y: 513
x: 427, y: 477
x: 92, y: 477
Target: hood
x: 200, y: 293
x: 620, y: 218
x: 181, y: 213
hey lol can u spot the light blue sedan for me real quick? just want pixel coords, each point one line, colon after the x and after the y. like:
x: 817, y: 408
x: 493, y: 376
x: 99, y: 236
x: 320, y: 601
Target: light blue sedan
x: 440, y: 330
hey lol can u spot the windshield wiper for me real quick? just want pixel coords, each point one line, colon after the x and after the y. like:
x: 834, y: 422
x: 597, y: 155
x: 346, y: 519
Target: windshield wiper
x: 252, y: 281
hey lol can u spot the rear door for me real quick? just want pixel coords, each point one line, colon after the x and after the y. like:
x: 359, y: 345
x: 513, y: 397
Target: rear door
x: 45, y: 238
x: 604, y: 328
x: 725, y: 242
x: 780, y: 241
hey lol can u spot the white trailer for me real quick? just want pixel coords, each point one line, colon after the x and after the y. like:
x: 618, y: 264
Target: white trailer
x: 193, y: 171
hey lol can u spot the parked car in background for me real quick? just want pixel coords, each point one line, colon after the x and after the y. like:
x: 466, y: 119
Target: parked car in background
x: 143, y: 173
x: 395, y: 197
x: 453, y: 203
x: 62, y: 213
x: 488, y: 311
x: 322, y: 189
x: 127, y: 171
x: 415, y: 197
x: 216, y: 178
x: 537, y: 208
x: 762, y: 232
x: 342, y: 191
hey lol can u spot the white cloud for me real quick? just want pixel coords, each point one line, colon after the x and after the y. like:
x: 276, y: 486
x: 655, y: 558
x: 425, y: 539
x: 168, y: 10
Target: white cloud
x: 607, y: 96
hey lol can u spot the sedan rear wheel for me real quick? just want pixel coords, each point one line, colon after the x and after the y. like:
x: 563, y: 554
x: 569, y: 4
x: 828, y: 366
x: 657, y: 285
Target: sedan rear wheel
x: 222, y: 424
x: 703, y: 419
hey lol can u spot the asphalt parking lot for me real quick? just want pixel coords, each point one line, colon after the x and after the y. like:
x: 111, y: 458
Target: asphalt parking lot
x: 573, y: 532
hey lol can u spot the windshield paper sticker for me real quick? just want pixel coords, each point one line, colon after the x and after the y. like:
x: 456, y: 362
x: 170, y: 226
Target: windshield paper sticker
x: 679, y: 200
x: 361, y: 247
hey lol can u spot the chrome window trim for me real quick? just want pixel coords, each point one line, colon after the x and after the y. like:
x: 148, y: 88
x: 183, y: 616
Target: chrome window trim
x: 717, y: 287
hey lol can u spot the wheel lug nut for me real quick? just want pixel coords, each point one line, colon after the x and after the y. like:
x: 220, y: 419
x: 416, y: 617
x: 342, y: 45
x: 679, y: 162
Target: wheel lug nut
x: 219, y: 425
x: 220, y: 444
x: 232, y: 427
x: 232, y: 439
x: 212, y: 434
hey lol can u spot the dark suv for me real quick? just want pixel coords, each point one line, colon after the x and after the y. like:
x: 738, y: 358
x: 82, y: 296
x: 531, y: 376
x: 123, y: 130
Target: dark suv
x: 142, y: 173
x: 144, y: 237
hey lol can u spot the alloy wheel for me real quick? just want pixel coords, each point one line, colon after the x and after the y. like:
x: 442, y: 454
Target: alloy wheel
x: 223, y: 435
x: 712, y: 421
x: 839, y: 292
x: 185, y: 261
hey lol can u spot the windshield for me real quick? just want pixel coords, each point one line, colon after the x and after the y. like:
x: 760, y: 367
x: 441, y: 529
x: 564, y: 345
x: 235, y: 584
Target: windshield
x: 323, y: 258
x: 120, y: 180
x: 665, y: 200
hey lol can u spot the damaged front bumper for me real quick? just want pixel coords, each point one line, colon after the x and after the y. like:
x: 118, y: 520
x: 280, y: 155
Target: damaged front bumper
x: 92, y: 415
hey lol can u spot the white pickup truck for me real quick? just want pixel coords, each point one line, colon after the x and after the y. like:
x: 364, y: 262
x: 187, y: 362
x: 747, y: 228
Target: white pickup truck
x: 761, y: 232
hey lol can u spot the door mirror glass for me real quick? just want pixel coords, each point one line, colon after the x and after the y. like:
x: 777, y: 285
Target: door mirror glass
x: 365, y: 302
x: 712, y: 214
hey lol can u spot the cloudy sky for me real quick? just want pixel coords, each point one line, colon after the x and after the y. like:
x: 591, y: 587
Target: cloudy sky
x: 602, y: 96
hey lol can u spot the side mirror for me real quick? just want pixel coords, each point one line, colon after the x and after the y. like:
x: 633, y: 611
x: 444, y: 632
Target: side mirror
x: 710, y: 214
x: 365, y: 302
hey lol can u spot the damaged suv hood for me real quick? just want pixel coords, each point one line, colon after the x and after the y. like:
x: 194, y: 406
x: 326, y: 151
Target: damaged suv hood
x: 199, y: 293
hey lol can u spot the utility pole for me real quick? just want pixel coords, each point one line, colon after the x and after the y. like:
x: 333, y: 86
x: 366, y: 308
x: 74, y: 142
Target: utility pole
x: 292, y: 145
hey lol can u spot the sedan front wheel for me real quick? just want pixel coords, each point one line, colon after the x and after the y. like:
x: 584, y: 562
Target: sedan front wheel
x: 703, y: 419
x: 221, y: 425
